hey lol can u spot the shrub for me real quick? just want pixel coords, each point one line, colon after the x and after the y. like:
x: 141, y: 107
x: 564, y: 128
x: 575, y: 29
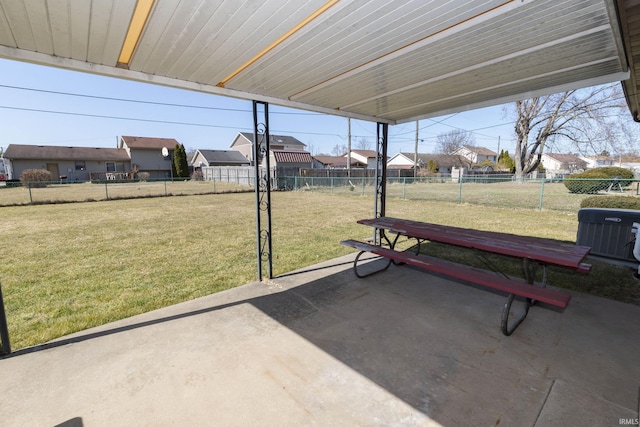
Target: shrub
x: 588, y: 182
x: 143, y: 176
x: 35, y: 177
x: 197, y: 176
x: 611, y: 202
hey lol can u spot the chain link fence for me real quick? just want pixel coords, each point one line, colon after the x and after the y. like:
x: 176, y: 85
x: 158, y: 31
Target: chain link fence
x: 499, y: 191
x: 17, y: 194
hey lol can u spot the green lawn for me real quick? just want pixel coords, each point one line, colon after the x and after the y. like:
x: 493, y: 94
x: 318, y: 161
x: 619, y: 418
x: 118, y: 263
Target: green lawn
x: 68, y: 267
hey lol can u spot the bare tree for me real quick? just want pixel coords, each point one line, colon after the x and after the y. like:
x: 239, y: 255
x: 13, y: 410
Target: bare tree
x: 339, y: 150
x: 587, y: 119
x: 363, y: 144
x: 447, y: 143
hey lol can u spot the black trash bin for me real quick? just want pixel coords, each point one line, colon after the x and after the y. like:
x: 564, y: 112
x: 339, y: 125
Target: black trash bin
x: 608, y: 232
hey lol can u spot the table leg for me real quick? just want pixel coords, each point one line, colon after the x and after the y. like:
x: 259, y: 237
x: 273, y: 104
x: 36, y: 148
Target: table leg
x: 383, y: 236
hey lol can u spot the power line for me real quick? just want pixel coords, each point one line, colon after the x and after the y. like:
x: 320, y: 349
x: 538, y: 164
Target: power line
x: 165, y: 104
x: 169, y: 122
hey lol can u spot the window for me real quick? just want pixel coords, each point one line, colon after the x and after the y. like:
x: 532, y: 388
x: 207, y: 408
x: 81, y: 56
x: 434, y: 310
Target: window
x: 111, y: 166
x: 80, y: 166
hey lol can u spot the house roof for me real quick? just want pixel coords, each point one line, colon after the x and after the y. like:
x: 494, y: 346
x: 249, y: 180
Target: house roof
x: 382, y: 61
x: 49, y: 152
x: 289, y: 141
x: 223, y: 156
x: 480, y: 151
x: 339, y: 161
x: 140, y: 142
x: 369, y: 154
x: 443, y: 160
x: 564, y: 158
x: 286, y: 156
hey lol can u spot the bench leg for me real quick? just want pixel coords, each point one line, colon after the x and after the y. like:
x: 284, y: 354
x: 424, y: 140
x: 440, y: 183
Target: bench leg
x: 504, y: 324
x: 360, y: 276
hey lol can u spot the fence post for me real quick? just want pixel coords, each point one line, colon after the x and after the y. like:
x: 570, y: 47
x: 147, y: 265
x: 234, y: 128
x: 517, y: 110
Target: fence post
x: 404, y: 188
x: 541, y: 194
x: 5, y: 345
x: 106, y: 189
x: 460, y: 189
x: 30, y: 196
x: 363, y: 178
x: 165, y: 187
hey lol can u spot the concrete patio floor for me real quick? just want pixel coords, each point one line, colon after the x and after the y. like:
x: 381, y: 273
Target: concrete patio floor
x: 320, y: 347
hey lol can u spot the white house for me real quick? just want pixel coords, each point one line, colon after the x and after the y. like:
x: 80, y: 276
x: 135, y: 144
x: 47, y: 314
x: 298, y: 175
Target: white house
x: 364, y: 157
x: 598, y: 161
x: 476, y: 155
x: 562, y: 164
x: 444, y: 162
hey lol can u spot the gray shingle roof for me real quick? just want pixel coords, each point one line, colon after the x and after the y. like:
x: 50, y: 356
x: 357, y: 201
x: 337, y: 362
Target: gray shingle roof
x: 224, y: 156
x: 148, y: 143
x: 277, y: 139
x: 44, y: 152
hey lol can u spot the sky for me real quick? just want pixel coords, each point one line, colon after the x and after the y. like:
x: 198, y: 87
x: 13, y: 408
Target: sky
x: 50, y: 106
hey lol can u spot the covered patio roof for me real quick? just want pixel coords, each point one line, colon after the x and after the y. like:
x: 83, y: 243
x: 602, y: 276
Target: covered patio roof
x: 389, y: 62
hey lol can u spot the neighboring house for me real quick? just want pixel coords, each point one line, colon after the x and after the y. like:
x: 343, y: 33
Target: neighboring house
x: 366, y: 158
x: 633, y: 166
x: 562, y: 164
x: 289, y: 162
x: 243, y: 142
x: 475, y: 155
x: 598, y: 161
x: 147, y: 154
x: 336, y: 162
x: 444, y: 162
x: 218, y: 158
x: 69, y: 163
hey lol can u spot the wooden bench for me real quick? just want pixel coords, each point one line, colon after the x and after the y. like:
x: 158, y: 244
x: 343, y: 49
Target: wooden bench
x: 467, y: 274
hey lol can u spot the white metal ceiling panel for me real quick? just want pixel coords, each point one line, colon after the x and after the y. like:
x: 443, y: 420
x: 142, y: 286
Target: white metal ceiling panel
x: 69, y: 21
x: 484, y: 81
x: 28, y: 23
x: 337, y: 43
x: 507, y: 36
x: 382, y: 60
x: 206, y: 41
x: 108, y: 29
x: 6, y: 36
x: 508, y: 92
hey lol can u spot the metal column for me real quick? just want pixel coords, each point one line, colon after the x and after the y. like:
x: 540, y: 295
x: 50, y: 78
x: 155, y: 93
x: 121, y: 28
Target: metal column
x: 262, y: 187
x: 381, y: 176
x: 5, y: 345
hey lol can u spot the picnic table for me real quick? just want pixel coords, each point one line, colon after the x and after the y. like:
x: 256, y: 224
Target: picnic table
x: 534, y: 253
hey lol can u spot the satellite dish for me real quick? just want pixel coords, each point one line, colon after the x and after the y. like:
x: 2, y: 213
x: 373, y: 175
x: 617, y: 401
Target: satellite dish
x: 165, y: 152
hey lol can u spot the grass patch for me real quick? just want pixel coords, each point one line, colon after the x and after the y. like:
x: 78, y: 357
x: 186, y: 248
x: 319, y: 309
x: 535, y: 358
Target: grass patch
x: 604, y: 279
x: 68, y: 267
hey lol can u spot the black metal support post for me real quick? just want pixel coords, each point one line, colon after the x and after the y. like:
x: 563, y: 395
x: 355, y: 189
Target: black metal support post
x: 262, y: 187
x: 5, y: 346
x: 381, y: 177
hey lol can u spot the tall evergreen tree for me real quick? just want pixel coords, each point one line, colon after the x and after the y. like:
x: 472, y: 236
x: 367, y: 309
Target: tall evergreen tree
x: 180, y: 161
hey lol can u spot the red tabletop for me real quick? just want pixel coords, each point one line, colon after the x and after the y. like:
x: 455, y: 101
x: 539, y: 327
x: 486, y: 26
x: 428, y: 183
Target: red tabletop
x: 540, y: 250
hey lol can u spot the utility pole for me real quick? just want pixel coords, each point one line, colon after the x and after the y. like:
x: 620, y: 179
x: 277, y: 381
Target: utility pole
x: 349, y: 147
x: 415, y: 153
